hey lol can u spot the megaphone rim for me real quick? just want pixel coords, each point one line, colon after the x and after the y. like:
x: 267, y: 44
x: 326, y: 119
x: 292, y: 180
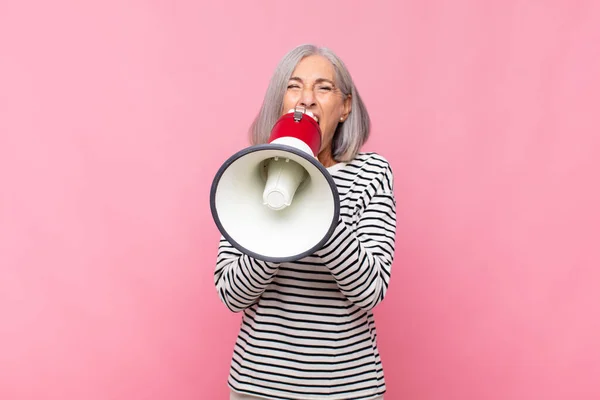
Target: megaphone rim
x: 273, y: 146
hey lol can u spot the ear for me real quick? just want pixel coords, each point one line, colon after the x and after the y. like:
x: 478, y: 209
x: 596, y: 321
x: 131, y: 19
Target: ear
x: 347, y: 108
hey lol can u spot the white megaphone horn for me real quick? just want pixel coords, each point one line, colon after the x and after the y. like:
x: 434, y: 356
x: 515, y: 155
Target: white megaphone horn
x: 275, y: 201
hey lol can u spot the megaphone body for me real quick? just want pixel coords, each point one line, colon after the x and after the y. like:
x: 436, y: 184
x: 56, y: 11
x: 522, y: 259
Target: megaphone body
x: 275, y: 201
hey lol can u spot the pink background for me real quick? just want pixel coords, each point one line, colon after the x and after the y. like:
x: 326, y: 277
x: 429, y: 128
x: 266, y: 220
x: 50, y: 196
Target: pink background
x: 489, y: 112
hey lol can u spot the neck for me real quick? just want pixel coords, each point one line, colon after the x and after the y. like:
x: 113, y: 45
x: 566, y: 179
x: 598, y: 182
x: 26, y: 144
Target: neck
x: 326, y: 158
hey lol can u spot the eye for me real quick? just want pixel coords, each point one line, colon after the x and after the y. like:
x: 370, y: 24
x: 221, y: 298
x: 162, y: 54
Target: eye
x: 325, y: 88
x: 293, y: 86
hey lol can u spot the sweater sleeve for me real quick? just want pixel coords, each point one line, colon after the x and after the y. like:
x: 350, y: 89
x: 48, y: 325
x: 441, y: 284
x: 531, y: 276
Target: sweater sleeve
x: 240, y: 279
x: 360, y: 252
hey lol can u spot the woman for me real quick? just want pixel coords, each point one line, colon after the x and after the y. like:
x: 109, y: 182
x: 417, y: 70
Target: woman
x: 308, y: 330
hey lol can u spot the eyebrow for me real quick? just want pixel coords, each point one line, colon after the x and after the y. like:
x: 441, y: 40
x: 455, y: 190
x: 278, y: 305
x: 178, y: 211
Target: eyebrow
x: 319, y: 80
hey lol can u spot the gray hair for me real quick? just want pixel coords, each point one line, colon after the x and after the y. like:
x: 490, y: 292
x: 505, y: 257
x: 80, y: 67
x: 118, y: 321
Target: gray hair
x: 349, y: 136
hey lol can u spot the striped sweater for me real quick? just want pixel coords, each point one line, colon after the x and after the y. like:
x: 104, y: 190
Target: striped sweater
x: 307, y: 328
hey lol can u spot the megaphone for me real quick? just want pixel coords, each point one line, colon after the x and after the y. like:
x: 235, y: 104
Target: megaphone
x: 275, y: 201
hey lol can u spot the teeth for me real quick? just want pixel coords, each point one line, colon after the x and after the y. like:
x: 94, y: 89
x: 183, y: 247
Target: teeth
x: 312, y: 115
x: 307, y: 113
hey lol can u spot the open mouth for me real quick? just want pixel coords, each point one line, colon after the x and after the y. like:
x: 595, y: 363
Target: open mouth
x: 315, y: 117
x: 307, y: 112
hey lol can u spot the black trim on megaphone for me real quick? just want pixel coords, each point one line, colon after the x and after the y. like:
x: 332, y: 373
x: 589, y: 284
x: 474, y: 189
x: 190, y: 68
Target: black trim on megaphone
x: 271, y: 146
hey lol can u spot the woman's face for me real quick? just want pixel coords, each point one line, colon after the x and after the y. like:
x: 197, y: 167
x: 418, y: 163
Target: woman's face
x: 312, y: 86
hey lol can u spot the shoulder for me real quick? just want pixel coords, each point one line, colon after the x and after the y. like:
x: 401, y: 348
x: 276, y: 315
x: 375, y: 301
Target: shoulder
x: 372, y: 162
x: 371, y: 169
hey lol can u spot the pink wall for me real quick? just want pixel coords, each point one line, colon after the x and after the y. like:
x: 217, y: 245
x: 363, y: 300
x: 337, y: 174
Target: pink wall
x: 488, y: 111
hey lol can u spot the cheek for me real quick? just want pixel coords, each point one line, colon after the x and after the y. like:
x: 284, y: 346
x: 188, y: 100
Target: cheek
x: 289, y: 99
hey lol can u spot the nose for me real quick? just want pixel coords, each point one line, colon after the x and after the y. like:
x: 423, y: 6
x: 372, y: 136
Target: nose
x: 307, y: 98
